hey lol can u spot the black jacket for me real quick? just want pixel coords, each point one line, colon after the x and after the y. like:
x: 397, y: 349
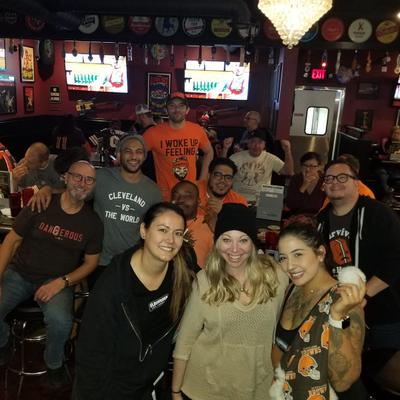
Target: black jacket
x: 375, y: 248
x: 111, y: 361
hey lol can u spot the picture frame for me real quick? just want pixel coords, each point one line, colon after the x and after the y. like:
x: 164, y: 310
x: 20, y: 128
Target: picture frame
x: 158, y: 90
x: 3, y: 65
x: 367, y: 90
x: 8, y: 94
x: 29, y: 99
x: 27, y: 64
x: 364, y: 119
x: 54, y: 94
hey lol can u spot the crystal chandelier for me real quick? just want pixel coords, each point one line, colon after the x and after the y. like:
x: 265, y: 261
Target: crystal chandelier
x: 293, y: 18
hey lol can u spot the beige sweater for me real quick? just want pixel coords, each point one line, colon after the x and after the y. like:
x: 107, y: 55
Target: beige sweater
x: 228, y: 347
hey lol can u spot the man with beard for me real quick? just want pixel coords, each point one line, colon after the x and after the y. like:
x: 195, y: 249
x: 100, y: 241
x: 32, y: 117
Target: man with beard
x: 185, y: 195
x: 217, y: 190
x: 175, y: 145
x: 45, y: 255
x: 121, y: 197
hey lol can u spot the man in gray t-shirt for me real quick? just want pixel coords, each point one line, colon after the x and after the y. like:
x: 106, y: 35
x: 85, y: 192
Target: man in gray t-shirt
x: 122, y: 196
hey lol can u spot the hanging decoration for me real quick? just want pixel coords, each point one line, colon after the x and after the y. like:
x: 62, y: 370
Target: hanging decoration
x: 116, y: 51
x: 397, y: 67
x: 307, y: 65
x: 90, y: 56
x: 74, y: 50
x: 101, y: 53
x: 293, y: 18
x: 337, y: 64
x: 368, y: 65
x: 385, y: 61
x: 146, y: 54
x: 172, y: 56
x: 129, y: 52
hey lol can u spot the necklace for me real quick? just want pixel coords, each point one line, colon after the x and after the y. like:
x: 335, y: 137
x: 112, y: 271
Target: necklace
x: 244, y: 290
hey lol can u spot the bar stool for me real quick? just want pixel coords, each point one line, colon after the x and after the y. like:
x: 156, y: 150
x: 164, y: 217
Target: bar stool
x: 26, y: 327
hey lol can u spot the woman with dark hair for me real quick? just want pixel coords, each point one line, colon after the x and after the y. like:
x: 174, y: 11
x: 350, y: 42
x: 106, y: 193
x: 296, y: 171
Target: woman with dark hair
x: 320, y: 333
x: 223, y: 349
x: 305, y: 194
x: 133, y: 311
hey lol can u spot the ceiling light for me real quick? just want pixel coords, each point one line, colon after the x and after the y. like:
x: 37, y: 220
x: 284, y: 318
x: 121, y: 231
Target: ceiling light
x: 293, y: 18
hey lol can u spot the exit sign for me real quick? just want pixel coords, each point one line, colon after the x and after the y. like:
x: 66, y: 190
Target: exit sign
x: 318, y: 73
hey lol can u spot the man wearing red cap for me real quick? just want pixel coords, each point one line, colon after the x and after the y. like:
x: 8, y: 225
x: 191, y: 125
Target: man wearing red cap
x: 175, y: 145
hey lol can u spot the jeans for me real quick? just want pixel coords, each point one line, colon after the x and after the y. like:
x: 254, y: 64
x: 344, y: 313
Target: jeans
x: 57, y: 314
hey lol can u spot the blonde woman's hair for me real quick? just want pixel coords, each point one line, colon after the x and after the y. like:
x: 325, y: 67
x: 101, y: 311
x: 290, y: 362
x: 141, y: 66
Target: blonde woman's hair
x: 260, y: 273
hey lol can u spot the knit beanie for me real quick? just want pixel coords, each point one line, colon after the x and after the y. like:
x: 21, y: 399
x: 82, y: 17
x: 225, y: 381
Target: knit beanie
x: 236, y: 217
x: 127, y: 137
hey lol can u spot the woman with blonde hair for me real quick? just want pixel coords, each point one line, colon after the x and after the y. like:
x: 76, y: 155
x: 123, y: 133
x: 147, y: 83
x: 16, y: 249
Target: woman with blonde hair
x: 223, y: 350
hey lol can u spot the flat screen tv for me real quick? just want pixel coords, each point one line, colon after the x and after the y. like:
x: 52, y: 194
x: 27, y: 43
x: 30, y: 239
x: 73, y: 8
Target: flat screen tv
x: 95, y: 76
x: 217, y: 80
x: 396, y: 96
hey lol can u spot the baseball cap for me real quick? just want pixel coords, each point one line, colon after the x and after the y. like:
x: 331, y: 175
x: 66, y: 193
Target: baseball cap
x: 258, y: 133
x: 177, y: 95
x: 142, y: 109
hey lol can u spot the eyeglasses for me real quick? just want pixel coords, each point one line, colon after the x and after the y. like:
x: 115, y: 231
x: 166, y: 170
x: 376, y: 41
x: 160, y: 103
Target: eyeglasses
x: 89, y: 180
x: 341, y: 178
x: 309, y: 166
x: 226, y: 177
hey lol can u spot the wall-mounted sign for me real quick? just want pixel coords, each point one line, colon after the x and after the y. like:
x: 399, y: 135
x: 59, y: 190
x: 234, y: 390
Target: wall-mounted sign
x: 8, y: 94
x: 387, y: 31
x: 54, y: 94
x: 221, y: 27
x: 167, y: 26
x: 139, y: 25
x: 89, y: 24
x: 113, y: 23
x: 318, y: 74
x: 158, y: 90
x: 360, y: 30
x: 34, y: 24
x: 193, y: 27
x: 311, y: 34
x: 332, y: 29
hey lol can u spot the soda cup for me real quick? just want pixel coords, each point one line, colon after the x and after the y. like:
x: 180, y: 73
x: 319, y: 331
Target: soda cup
x: 27, y: 193
x: 15, y: 203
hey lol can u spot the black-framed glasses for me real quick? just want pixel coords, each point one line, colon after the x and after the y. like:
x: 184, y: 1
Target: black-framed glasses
x: 341, y: 178
x: 89, y: 180
x: 225, y: 177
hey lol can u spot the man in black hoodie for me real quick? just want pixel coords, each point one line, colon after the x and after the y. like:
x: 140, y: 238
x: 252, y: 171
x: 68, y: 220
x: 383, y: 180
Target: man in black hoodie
x: 363, y: 232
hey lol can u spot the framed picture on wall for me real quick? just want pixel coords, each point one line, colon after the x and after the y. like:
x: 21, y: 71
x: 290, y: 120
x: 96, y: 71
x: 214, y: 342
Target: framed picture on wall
x: 8, y: 94
x: 364, y: 119
x: 158, y: 90
x: 367, y: 90
x: 27, y: 64
x: 29, y: 104
x: 2, y: 55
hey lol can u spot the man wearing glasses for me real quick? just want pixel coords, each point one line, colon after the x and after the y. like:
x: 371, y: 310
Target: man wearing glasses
x: 217, y: 189
x: 44, y: 255
x: 363, y: 232
x: 175, y: 145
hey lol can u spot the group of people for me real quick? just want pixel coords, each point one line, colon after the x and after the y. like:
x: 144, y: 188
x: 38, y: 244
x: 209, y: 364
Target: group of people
x: 248, y: 326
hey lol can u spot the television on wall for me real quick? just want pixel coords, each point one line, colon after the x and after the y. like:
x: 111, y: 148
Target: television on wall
x: 396, y: 96
x: 217, y: 80
x: 95, y: 76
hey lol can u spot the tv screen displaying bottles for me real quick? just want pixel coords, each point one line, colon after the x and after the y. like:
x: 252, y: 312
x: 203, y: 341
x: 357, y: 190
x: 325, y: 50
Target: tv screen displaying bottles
x: 217, y: 80
x: 94, y: 75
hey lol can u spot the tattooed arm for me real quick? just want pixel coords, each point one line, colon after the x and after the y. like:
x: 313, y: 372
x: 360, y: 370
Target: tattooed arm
x: 345, y: 345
